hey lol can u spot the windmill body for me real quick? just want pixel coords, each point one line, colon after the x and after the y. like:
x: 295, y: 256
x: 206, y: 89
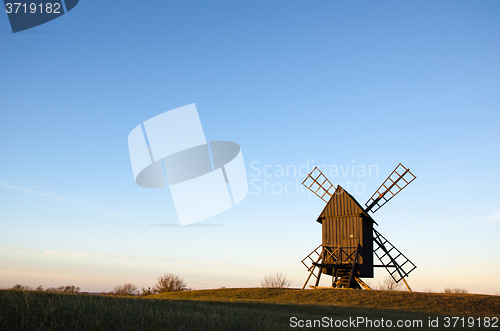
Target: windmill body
x: 345, y: 224
x: 349, y: 240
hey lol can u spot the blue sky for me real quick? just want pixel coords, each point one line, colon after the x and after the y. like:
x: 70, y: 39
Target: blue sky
x: 335, y: 83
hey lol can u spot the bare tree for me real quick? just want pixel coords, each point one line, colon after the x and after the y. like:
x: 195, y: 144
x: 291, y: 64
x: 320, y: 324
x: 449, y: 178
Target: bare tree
x: 146, y: 291
x: 388, y: 284
x: 126, y: 289
x: 20, y: 287
x: 276, y: 280
x: 456, y: 290
x: 169, y: 283
x: 71, y: 289
x: 61, y: 289
x: 64, y: 289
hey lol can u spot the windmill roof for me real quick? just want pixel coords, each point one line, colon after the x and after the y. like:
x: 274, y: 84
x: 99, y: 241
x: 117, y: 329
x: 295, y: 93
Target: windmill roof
x: 343, y: 204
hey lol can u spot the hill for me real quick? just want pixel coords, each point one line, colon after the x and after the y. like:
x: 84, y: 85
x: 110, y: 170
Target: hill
x: 246, y: 309
x: 461, y: 304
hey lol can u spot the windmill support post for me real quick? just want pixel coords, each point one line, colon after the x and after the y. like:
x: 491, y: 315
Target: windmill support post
x: 319, y: 276
x: 407, y: 286
x: 353, y: 269
x: 313, y: 265
x: 348, y: 265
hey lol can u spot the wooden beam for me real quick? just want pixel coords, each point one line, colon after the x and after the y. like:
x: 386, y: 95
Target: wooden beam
x: 343, y: 216
x: 313, y: 266
x: 407, y: 286
x: 363, y: 284
x: 353, y: 269
x: 319, y: 276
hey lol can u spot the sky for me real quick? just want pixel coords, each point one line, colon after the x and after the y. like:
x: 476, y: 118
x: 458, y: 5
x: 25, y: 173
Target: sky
x: 348, y: 85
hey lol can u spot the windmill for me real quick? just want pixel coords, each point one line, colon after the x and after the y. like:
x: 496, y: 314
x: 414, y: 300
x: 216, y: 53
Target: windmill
x: 347, y: 249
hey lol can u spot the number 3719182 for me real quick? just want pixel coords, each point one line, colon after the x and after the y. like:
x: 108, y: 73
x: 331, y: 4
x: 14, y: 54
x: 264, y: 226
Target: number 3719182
x: 33, y: 8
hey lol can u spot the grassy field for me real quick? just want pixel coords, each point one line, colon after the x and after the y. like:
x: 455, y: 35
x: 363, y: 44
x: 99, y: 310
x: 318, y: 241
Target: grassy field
x: 240, y: 309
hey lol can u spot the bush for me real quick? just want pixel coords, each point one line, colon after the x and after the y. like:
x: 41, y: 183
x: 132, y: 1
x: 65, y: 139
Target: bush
x: 64, y: 289
x: 388, y: 284
x: 455, y: 290
x: 169, y: 283
x: 146, y: 291
x: 276, y: 280
x: 60, y: 289
x: 19, y: 287
x: 127, y: 289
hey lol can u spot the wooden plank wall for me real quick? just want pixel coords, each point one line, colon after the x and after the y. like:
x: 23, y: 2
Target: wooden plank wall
x: 344, y: 224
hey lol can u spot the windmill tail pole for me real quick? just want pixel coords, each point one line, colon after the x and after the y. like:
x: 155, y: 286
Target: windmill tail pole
x: 407, y: 286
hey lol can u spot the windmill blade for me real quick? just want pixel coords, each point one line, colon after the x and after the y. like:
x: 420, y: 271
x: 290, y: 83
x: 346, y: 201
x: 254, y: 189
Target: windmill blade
x: 391, y: 257
x: 397, y: 181
x: 318, y: 184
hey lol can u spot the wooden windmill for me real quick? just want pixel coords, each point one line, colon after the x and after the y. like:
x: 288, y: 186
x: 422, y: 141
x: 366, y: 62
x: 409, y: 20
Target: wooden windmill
x: 347, y: 250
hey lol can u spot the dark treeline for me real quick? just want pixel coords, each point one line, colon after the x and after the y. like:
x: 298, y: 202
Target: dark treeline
x: 60, y: 289
x: 166, y: 283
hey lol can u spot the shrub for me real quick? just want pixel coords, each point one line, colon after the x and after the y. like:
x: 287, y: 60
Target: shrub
x: 388, y: 284
x: 127, y: 289
x: 19, y: 287
x: 60, y: 289
x: 64, y: 289
x: 276, y: 280
x: 455, y: 290
x: 169, y: 283
x: 146, y: 291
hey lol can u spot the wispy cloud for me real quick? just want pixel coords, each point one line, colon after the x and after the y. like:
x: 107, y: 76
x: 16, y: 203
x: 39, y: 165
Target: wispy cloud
x: 177, y: 225
x: 73, y: 200
x: 19, y: 249
x: 116, y: 256
x: 65, y: 199
x: 493, y: 218
x: 100, y: 255
x: 114, y: 213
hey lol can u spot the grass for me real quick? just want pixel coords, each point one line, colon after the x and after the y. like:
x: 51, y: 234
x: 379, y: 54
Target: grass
x: 450, y: 303
x: 230, y: 309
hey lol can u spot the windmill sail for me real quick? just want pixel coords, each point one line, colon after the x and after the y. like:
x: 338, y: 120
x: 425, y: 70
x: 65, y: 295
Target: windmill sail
x: 318, y: 184
x: 397, y: 180
x: 391, y: 257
